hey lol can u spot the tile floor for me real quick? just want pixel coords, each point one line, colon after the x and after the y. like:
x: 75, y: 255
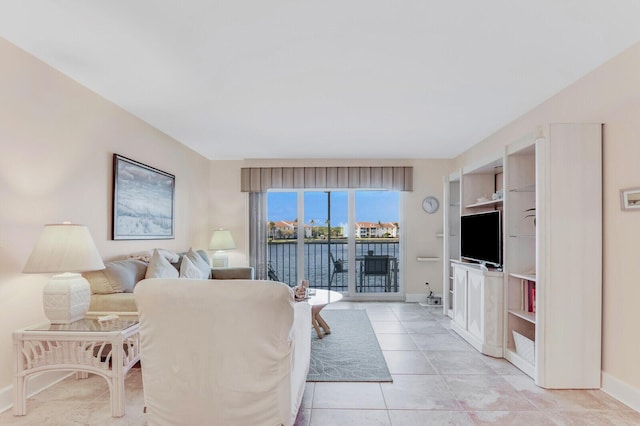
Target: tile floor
x: 438, y: 379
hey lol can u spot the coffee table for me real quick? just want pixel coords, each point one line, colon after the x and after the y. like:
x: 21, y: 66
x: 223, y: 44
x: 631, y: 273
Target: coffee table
x: 318, y: 301
x: 108, y: 349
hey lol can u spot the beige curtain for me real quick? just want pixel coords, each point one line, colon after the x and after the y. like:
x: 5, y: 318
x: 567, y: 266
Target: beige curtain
x: 258, y: 234
x: 261, y: 179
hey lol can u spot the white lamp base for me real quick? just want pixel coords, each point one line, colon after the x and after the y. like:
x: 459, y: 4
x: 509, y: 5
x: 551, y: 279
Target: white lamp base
x: 66, y: 298
x: 219, y: 260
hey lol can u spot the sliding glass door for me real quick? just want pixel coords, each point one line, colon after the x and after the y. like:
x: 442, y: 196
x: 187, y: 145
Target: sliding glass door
x: 343, y: 240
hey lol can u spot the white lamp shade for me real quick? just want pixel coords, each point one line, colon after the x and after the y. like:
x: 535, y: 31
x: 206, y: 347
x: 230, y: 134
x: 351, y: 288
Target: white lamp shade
x: 222, y: 240
x: 64, y: 248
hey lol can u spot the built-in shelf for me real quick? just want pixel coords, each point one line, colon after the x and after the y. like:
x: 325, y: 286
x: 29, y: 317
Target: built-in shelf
x: 530, y: 277
x: 484, y: 204
x: 523, y: 236
x: 527, y: 316
x: 528, y: 188
x: 427, y: 259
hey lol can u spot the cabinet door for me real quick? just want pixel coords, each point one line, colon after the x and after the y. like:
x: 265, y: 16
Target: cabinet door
x: 460, y: 297
x: 475, y: 294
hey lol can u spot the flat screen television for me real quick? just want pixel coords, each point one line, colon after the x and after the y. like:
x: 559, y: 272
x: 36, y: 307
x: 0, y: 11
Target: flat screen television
x: 481, y: 238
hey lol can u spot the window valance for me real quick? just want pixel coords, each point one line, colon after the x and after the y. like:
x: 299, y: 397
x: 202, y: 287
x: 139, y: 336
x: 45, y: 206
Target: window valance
x: 260, y: 179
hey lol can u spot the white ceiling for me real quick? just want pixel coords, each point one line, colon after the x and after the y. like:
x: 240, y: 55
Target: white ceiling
x: 239, y: 79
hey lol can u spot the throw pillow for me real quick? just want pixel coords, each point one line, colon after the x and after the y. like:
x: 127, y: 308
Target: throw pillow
x: 199, y: 263
x: 144, y: 256
x: 99, y: 282
x: 125, y: 274
x: 189, y: 270
x: 172, y: 257
x: 159, y: 267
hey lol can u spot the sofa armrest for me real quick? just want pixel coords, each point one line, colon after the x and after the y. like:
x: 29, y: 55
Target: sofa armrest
x: 301, y: 355
x: 233, y: 273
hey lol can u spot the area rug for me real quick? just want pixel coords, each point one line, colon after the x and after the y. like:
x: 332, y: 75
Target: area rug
x: 351, y: 352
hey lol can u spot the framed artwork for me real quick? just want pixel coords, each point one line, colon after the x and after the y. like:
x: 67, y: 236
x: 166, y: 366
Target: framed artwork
x: 143, y: 201
x: 630, y: 198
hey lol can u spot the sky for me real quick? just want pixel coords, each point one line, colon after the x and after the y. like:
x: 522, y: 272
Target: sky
x: 371, y: 206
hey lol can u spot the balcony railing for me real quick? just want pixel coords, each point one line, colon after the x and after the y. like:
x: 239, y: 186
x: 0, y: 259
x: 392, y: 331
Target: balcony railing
x: 322, y: 272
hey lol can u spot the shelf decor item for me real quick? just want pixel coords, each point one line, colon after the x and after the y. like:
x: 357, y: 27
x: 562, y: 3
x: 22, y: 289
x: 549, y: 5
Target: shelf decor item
x: 65, y: 249
x: 524, y: 347
x: 143, y: 201
x: 630, y: 198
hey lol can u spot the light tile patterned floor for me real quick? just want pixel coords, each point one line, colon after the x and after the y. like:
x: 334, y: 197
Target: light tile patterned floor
x: 438, y: 380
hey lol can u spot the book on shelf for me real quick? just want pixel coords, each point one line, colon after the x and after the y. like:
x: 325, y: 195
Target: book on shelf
x: 529, y: 296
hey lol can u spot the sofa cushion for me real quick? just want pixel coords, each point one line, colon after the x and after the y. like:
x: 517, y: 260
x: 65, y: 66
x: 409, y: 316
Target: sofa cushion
x: 232, y: 273
x: 197, y: 260
x: 117, y: 277
x: 159, y: 267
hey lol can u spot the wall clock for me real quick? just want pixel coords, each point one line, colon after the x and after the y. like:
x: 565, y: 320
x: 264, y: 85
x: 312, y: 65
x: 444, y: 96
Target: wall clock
x: 430, y: 204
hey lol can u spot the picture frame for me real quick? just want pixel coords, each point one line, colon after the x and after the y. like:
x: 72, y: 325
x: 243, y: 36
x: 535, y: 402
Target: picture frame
x: 143, y: 201
x: 630, y: 198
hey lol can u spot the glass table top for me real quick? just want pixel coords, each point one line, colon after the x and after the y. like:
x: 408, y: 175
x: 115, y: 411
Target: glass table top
x: 86, y: 325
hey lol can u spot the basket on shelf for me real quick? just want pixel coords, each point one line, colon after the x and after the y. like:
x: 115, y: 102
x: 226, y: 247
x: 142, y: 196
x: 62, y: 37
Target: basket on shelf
x: 525, y: 347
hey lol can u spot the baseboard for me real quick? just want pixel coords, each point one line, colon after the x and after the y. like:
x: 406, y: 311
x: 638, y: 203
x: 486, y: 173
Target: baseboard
x: 35, y: 384
x: 419, y: 297
x: 415, y: 297
x: 621, y: 391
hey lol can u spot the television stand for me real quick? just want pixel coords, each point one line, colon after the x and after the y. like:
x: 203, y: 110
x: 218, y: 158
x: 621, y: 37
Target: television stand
x: 477, y: 306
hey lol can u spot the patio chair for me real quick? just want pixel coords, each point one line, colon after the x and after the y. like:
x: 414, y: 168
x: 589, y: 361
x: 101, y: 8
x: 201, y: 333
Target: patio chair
x: 271, y: 273
x: 376, y: 265
x: 338, y: 268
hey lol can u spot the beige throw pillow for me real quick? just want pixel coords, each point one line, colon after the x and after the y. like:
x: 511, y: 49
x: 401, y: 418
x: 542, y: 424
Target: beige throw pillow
x: 99, y: 282
x: 117, y: 277
x: 159, y: 267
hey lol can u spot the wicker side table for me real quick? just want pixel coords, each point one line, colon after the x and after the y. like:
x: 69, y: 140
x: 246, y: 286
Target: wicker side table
x: 108, y: 349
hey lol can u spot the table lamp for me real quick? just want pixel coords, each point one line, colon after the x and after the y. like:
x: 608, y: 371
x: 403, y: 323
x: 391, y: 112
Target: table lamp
x: 221, y: 240
x: 66, y: 249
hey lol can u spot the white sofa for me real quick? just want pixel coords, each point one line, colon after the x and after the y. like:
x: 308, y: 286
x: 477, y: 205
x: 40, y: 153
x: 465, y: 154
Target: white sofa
x: 222, y: 352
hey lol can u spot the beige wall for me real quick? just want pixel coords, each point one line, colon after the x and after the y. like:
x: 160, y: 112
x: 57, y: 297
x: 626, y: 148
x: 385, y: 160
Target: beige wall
x: 609, y: 95
x: 56, y: 144
x: 421, y: 228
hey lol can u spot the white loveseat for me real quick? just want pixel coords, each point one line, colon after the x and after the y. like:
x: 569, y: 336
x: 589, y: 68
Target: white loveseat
x: 222, y: 352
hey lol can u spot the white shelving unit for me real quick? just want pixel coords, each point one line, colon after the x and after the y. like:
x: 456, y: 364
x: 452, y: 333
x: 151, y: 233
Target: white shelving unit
x: 552, y: 239
x: 557, y: 250
x: 451, y: 238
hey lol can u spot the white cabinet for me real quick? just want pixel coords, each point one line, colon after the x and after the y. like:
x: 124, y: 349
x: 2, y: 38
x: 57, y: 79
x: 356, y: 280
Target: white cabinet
x: 460, y: 297
x: 477, y: 307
